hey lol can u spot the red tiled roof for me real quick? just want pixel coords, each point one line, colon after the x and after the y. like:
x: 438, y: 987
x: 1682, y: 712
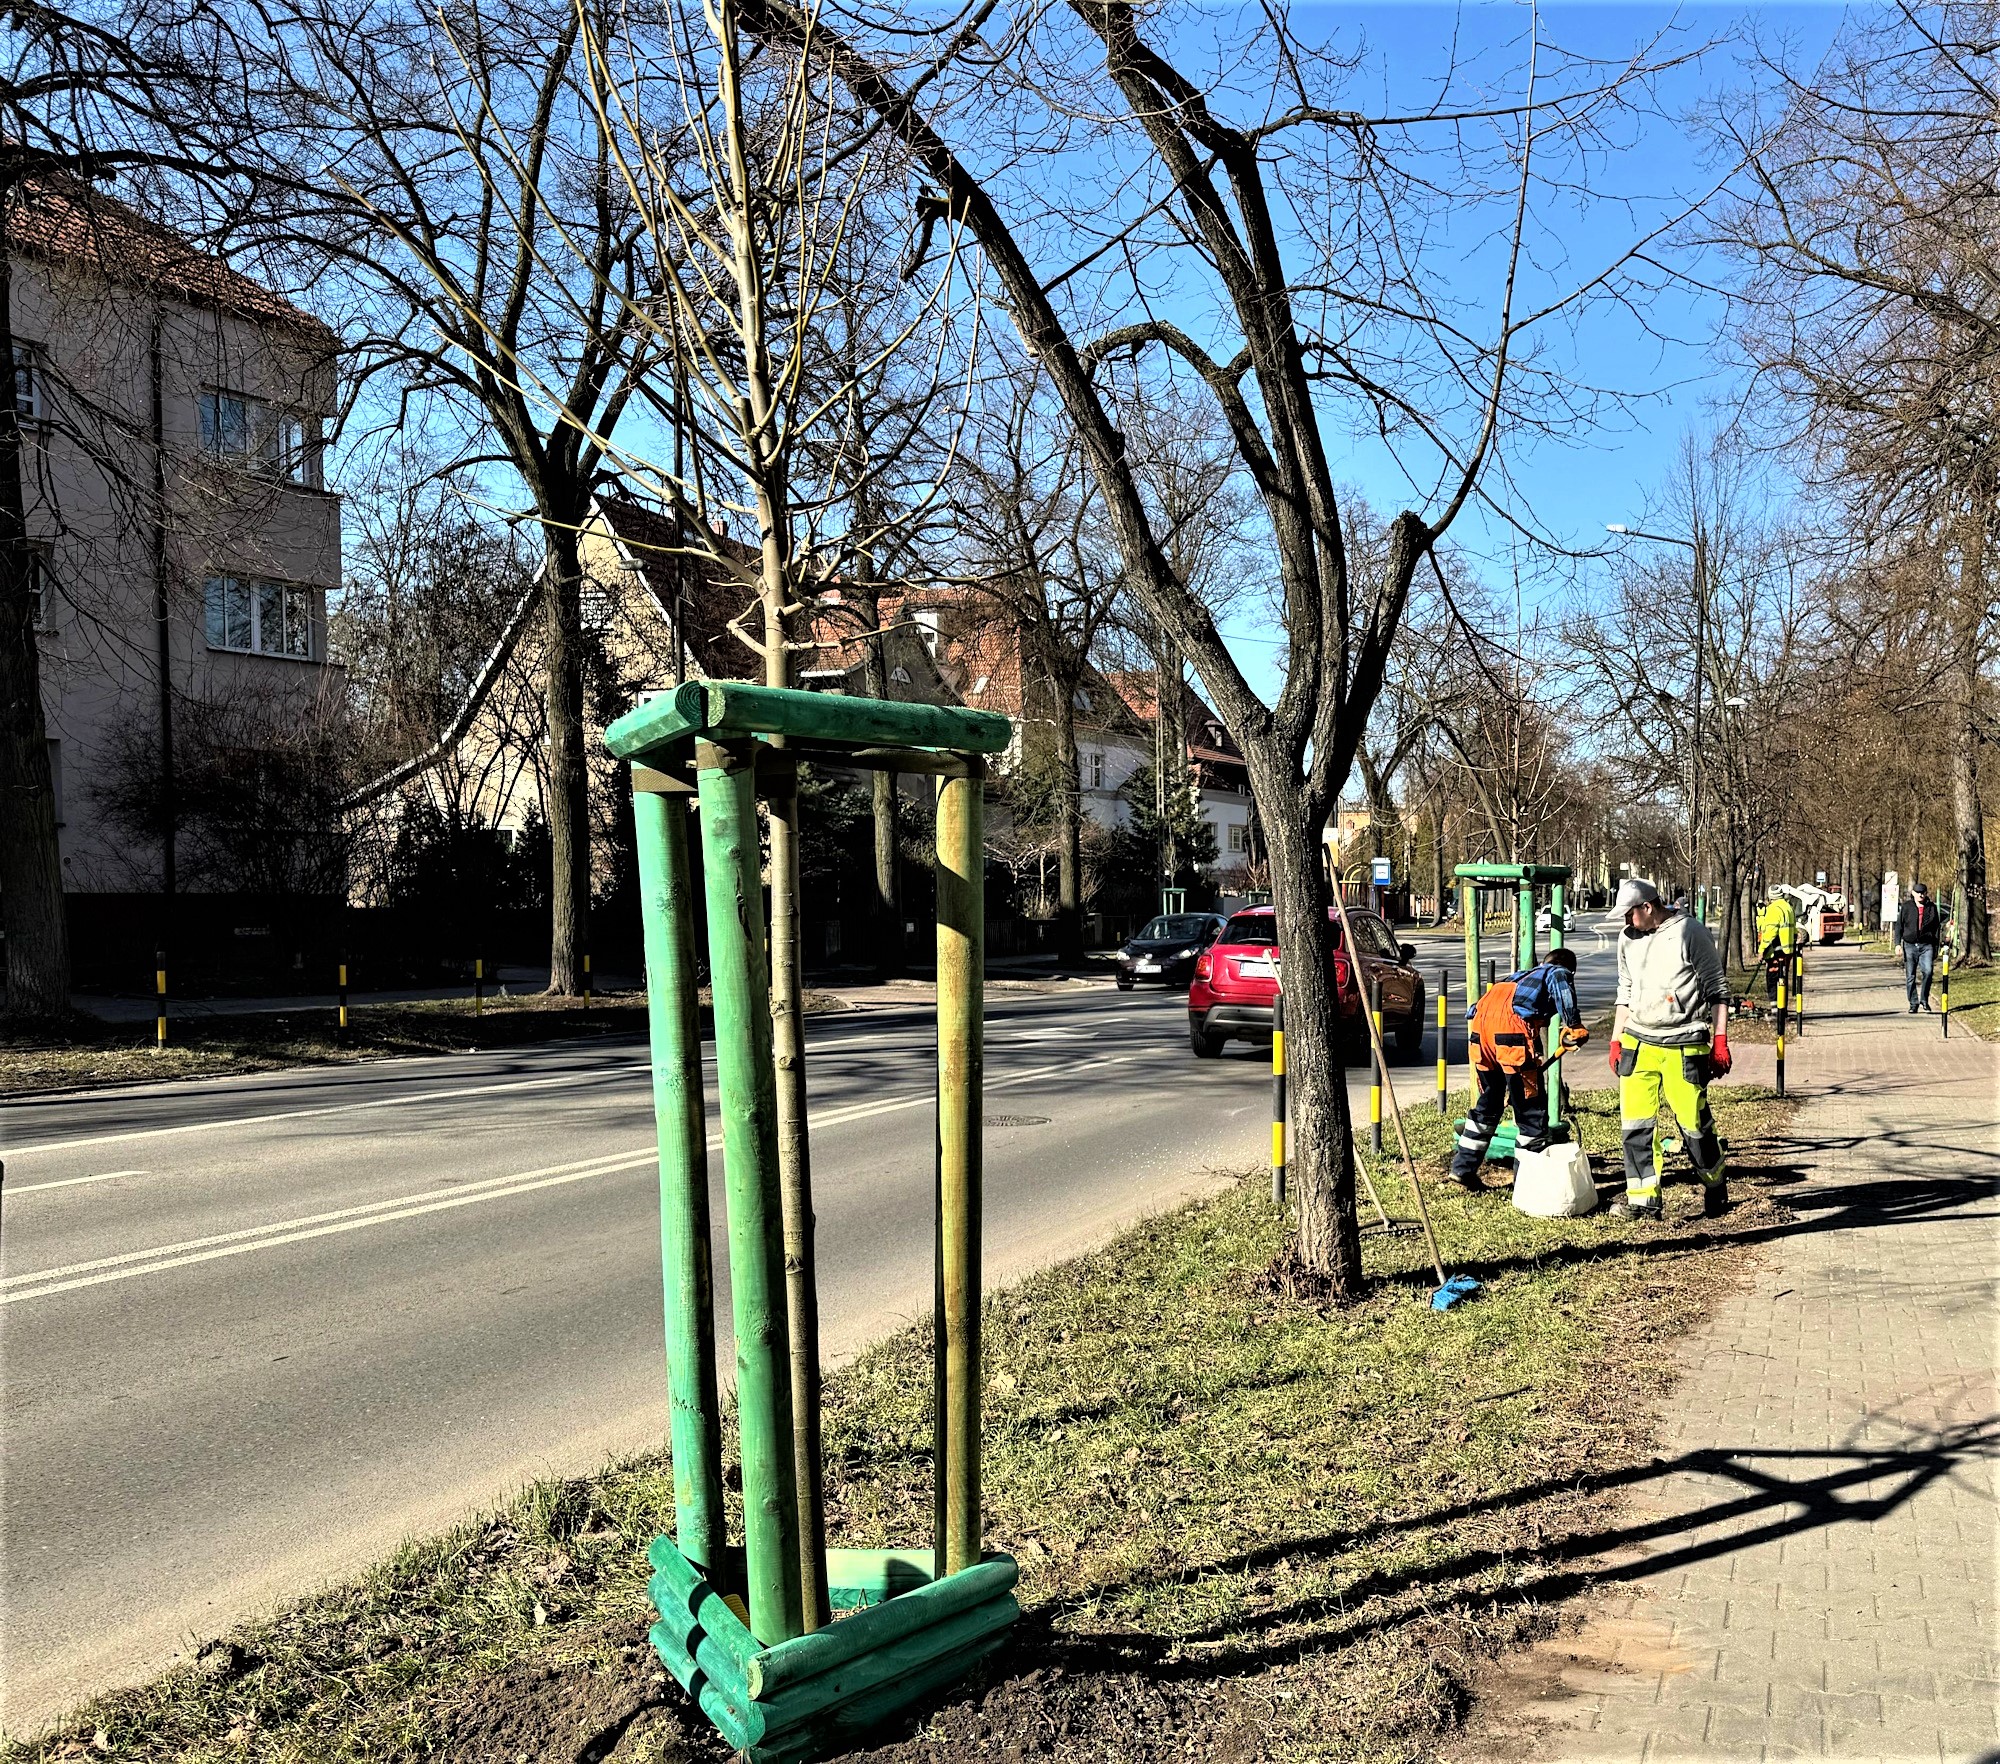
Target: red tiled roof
x: 701, y: 594
x: 67, y: 221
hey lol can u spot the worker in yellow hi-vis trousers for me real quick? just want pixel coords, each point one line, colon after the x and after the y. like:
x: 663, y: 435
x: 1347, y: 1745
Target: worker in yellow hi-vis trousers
x: 1669, y: 1037
x: 1777, y: 938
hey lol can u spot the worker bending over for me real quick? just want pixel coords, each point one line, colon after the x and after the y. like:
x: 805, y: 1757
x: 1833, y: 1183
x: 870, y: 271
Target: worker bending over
x: 1510, y: 1026
x: 1669, y: 1037
x: 1777, y: 939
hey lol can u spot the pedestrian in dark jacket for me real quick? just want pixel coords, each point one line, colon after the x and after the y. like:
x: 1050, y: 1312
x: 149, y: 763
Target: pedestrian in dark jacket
x: 1918, y: 930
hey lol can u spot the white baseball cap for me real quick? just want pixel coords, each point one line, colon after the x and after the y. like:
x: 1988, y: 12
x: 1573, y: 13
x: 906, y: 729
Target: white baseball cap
x: 1632, y: 892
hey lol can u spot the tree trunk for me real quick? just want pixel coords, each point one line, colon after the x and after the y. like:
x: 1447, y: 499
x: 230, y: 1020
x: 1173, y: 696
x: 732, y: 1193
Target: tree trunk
x: 1321, y: 1133
x: 569, y: 787
x: 1069, y: 832
x: 1974, y: 934
x: 1170, y: 720
x: 885, y: 906
x: 31, y: 896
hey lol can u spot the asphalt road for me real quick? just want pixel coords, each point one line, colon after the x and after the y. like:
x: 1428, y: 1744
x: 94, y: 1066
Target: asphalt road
x: 258, y: 1331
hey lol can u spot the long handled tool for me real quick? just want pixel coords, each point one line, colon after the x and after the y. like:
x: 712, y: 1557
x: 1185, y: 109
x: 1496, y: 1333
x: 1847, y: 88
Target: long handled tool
x: 1449, y: 1289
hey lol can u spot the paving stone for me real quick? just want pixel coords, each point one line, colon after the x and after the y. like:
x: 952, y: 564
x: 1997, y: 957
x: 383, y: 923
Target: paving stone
x: 1853, y: 1614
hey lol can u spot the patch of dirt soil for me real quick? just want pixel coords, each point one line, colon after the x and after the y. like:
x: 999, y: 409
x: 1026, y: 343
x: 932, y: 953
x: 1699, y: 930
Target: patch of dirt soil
x: 1057, y: 1700
x: 584, y: 1712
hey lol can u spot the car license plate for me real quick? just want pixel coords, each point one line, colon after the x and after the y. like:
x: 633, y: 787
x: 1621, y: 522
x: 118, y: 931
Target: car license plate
x: 1149, y: 967
x: 1256, y: 968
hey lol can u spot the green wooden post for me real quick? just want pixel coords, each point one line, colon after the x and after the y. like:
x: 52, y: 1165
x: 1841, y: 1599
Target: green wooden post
x: 961, y: 970
x: 1469, y: 891
x: 741, y: 990
x: 673, y: 1015
x: 1524, y: 926
x: 1555, y: 1023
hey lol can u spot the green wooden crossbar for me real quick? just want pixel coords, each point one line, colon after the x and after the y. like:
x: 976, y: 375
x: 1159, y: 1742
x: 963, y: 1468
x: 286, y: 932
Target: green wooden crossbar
x: 721, y: 708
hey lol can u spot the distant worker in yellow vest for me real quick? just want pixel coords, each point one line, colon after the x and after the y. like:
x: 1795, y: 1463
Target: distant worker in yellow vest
x: 1777, y: 938
x: 1510, y: 1034
x: 1669, y: 1037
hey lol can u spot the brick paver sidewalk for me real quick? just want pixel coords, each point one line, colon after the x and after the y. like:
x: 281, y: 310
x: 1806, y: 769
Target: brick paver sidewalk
x: 1817, y: 1570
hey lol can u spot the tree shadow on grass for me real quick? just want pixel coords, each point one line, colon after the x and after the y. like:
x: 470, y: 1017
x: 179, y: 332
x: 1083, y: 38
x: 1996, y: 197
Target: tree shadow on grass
x: 1769, y: 1495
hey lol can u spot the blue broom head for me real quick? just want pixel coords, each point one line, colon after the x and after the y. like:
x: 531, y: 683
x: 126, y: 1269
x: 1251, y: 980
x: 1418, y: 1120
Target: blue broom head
x: 1459, y: 1286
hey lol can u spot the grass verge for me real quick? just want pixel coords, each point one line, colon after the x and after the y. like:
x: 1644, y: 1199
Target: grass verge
x: 1250, y: 1526
x: 85, y: 1055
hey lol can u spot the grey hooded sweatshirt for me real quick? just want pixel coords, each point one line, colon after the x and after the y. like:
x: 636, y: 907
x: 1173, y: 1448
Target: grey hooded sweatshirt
x: 1670, y: 981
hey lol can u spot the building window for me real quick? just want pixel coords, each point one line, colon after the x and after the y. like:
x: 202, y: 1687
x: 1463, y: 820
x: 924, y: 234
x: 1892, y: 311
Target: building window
x: 1093, y: 768
x: 259, y: 618
x: 55, y: 779
x: 249, y: 432
x: 1239, y: 837
x: 30, y: 395
x: 38, y: 586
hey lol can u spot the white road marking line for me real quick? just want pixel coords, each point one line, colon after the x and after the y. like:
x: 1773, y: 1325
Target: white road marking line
x: 412, y: 1097
x: 162, y: 1257
x: 72, y: 1181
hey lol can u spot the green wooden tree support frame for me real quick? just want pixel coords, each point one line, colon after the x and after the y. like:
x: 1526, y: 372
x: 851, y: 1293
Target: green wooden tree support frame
x: 734, y: 1621
x: 1524, y: 879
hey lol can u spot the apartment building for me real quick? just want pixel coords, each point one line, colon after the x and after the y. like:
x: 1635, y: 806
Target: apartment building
x: 172, y: 415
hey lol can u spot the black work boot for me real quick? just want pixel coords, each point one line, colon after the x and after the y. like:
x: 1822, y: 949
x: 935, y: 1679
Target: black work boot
x: 1715, y: 1198
x: 1624, y: 1207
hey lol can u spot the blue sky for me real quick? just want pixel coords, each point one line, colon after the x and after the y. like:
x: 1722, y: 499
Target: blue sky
x: 1680, y: 378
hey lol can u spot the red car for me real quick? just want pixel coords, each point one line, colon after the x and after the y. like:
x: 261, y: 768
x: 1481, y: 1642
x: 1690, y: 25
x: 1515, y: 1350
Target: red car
x: 1236, y: 979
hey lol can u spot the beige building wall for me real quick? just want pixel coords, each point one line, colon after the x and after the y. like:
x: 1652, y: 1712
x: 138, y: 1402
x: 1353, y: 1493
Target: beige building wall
x: 90, y: 355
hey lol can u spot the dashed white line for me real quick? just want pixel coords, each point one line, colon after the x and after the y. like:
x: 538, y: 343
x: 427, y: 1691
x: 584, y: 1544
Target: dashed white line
x: 161, y: 1258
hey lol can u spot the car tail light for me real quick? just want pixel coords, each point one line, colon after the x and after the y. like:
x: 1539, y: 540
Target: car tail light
x: 1340, y: 980
x: 1204, y: 966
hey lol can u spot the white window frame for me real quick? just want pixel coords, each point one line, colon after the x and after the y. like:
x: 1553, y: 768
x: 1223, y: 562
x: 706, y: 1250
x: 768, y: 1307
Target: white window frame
x: 276, y: 442
x: 256, y: 591
x: 1095, y: 762
x: 38, y: 585
x: 1239, y: 838
x: 33, y: 407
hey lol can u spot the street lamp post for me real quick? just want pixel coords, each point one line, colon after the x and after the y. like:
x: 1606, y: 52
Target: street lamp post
x: 1699, y: 547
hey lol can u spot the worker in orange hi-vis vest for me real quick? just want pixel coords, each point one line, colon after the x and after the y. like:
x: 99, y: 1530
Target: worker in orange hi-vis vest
x: 1509, y: 1038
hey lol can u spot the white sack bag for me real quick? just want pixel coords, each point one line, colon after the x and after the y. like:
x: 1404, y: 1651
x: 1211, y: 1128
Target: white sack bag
x: 1554, y: 1184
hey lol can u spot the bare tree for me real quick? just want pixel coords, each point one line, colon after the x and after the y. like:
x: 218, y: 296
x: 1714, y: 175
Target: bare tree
x: 1028, y: 538
x: 1295, y: 220
x: 1868, y: 228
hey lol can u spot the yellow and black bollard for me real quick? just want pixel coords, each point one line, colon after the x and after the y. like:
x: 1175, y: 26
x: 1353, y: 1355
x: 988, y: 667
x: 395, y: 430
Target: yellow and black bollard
x: 343, y: 1001
x: 160, y: 1005
x: 479, y: 986
x: 1799, y: 989
x: 1278, y: 1100
x: 586, y: 979
x: 1944, y: 993
x: 1373, y: 1003
x: 1781, y: 1031
x: 1444, y: 1037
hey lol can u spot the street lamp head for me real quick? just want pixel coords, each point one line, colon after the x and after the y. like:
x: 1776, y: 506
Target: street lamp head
x: 1616, y: 527
x: 1736, y: 703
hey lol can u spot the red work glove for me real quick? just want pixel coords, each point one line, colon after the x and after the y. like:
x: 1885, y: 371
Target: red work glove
x: 1617, y: 1054
x: 1719, y: 1056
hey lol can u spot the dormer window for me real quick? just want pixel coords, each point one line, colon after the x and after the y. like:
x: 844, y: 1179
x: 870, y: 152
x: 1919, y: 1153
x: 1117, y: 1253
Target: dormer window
x: 900, y: 675
x: 262, y: 437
